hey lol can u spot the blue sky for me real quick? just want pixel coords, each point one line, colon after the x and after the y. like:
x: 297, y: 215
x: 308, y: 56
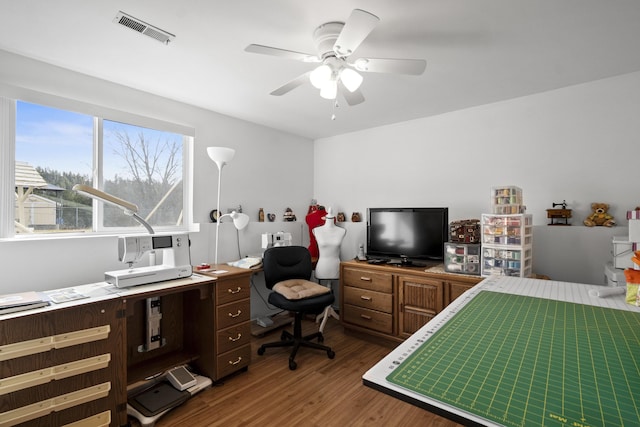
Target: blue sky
x: 55, y: 139
x: 63, y: 140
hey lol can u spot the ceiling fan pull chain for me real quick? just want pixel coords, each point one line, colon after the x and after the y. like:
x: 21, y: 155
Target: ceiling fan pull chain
x: 335, y: 105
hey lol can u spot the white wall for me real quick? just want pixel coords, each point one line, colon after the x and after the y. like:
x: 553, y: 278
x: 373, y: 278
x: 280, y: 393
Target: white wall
x: 260, y: 175
x: 578, y: 144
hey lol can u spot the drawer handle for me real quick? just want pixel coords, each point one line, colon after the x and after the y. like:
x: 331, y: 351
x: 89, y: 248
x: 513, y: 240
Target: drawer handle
x: 235, y: 315
x: 365, y: 317
x: 237, y: 338
x: 366, y: 279
x: 365, y: 298
x: 236, y: 362
x: 231, y: 291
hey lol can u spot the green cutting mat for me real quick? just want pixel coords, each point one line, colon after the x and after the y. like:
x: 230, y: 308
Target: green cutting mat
x: 524, y: 361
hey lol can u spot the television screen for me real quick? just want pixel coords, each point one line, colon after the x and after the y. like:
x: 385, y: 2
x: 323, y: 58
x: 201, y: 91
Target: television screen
x: 413, y: 233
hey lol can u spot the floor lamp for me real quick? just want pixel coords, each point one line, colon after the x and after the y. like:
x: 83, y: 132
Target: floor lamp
x: 221, y: 156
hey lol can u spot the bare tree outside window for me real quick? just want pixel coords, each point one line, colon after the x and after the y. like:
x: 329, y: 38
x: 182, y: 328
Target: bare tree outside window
x: 147, y: 171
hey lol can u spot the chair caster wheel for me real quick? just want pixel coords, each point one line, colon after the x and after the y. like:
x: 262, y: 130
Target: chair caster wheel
x: 292, y: 365
x: 260, y: 351
x: 331, y: 354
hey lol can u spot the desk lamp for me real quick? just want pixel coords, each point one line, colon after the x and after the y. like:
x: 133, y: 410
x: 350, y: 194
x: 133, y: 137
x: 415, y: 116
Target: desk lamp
x: 129, y: 208
x: 221, y: 156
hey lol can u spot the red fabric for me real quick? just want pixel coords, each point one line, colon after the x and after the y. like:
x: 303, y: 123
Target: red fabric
x: 315, y: 219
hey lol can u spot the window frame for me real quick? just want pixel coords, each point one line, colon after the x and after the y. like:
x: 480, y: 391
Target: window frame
x: 8, y: 117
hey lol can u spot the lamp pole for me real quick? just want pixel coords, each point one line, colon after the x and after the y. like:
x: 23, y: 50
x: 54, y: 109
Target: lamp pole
x: 221, y: 156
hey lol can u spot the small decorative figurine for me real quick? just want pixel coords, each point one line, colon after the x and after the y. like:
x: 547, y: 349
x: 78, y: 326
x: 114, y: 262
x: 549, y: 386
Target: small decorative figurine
x: 559, y: 216
x: 355, y: 217
x: 261, y: 215
x: 600, y: 216
x: 289, y: 215
x: 340, y: 217
x: 271, y: 217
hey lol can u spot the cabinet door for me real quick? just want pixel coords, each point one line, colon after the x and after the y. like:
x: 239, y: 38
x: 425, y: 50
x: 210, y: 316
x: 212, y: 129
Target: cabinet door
x: 420, y: 299
x: 456, y: 289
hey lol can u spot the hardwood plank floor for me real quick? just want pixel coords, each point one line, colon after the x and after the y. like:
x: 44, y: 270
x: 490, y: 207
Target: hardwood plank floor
x: 321, y: 392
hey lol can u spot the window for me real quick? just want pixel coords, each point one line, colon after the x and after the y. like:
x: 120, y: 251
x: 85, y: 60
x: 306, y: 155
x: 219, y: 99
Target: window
x: 127, y: 158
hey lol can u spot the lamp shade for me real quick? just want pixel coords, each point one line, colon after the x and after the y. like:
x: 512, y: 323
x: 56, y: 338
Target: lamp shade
x: 351, y: 79
x: 320, y: 76
x: 329, y: 90
x: 240, y: 220
x: 221, y: 155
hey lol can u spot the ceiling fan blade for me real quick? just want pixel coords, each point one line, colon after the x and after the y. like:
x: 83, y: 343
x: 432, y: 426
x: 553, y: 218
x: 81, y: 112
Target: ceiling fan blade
x: 355, y: 30
x: 283, y: 53
x: 413, y: 67
x: 352, y: 98
x: 288, y: 87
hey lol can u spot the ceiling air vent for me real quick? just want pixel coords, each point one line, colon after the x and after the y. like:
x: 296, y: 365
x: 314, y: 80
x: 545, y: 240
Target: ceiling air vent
x: 143, y: 28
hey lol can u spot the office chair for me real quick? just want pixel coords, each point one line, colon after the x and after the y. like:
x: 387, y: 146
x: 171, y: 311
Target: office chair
x: 287, y: 270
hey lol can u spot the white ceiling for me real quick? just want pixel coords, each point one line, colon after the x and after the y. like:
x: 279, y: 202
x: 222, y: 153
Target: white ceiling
x: 477, y: 52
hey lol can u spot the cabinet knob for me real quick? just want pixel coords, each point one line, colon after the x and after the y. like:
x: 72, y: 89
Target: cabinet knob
x: 365, y: 278
x: 231, y: 291
x: 236, y: 338
x: 365, y: 298
x: 235, y: 315
x: 364, y: 316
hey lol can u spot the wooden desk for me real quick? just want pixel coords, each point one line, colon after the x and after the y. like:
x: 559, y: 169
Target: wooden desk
x: 74, y: 361
x: 514, y: 351
x: 393, y: 302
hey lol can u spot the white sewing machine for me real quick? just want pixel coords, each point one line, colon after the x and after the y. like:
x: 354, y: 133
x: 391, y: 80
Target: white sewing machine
x: 176, y: 259
x: 276, y: 239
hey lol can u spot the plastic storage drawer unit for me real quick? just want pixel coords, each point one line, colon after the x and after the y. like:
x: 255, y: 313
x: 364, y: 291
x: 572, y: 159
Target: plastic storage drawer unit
x: 462, y: 258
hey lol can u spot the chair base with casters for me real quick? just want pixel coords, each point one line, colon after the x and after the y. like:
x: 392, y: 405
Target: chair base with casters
x: 291, y: 265
x: 297, y: 340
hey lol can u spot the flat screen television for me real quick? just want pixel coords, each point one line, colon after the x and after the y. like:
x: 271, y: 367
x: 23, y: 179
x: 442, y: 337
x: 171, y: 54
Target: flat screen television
x: 408, y: 234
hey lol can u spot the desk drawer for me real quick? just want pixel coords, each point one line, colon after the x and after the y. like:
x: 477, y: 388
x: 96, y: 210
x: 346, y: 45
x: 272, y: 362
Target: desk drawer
x: 376, y: 281
x: 233, y: 337
x: 231, y: 290
x: 232, y: 314
x: 366, y: 298
x: 233, y: 360
x: 375, y: 320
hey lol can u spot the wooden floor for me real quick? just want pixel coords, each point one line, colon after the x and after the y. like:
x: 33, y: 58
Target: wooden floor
x: 320, y: 392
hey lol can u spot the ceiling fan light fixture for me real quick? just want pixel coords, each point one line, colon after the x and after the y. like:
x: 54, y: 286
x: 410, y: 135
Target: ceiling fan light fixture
x: 351, y: 79
x: 329, y: 90
x: 320, y: 76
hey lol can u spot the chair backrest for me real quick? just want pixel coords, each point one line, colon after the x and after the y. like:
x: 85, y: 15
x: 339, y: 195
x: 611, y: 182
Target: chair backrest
x: 286, y: 262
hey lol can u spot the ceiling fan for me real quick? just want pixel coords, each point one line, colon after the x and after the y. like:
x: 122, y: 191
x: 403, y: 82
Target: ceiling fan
x: 335, y: 43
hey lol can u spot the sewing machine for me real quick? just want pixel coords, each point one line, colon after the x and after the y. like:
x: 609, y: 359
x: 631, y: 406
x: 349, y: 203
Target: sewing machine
x: 176, y: 259
x: 559, y: 216
x: 280, y: 238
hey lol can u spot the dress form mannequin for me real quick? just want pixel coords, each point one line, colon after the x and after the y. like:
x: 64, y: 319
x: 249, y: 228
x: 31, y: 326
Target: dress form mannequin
x: 329, y: 238
x: 314, y: 219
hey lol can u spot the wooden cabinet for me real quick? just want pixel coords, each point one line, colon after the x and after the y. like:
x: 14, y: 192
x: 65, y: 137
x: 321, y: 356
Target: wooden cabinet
x: 62, y: 366
x: 394, y: 302
x: 419, y: 300
x: 367, y: 298
x: 232, y: 323
x: 75, y: 361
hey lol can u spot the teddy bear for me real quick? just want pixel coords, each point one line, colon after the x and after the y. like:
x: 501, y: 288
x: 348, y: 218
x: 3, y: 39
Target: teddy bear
x: 599, y: 216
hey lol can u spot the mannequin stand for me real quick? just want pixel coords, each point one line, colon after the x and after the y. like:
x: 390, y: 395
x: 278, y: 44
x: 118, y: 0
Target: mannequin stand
x: 328, y: 312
